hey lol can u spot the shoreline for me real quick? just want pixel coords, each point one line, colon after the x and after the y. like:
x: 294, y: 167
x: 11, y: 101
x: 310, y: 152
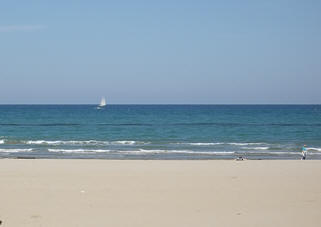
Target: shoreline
x: 160, y: 159
x: 90, y: 192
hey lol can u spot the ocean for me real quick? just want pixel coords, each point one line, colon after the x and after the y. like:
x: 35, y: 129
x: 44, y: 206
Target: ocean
x: 160, y: 131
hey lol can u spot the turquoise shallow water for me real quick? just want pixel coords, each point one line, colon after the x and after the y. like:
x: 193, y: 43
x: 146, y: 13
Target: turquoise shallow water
x: 160, y: 131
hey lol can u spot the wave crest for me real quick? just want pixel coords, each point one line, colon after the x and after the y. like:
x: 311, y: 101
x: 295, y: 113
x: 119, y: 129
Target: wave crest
x: 10, y: 150
x: 140, y: 151
x: 314, y: 149
x: 84, y: 142
x: 256, y: 148
x: 79, y: 150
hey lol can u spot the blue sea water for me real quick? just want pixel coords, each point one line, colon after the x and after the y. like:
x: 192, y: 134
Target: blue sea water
x: 160, y: 131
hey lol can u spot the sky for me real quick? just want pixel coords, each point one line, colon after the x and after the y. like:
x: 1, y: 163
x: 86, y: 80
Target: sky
x: 160, y: 52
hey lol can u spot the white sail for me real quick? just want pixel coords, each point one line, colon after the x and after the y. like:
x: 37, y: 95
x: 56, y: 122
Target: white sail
x: 103, y: 102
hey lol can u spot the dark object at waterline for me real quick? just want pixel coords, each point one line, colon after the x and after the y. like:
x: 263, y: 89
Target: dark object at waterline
x: 19, y: 157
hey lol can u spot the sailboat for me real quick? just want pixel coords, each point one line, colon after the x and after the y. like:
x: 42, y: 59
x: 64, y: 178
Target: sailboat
x: 102, y: 103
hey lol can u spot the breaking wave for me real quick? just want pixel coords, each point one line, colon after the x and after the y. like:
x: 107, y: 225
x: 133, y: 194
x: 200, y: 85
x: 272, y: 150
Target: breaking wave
x: 222, y: 143
x: 15, y: 150
x: 314, y: 149
x: 84, y: 142
x: 270, y: 153
x: 201, y: 144
x: 142, y: 151
x: 256, y: 148
x: 245, y: 144
x: 78, y: 150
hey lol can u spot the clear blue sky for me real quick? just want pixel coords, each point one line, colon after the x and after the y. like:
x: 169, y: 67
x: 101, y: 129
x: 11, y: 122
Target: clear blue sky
x: 160, y: 51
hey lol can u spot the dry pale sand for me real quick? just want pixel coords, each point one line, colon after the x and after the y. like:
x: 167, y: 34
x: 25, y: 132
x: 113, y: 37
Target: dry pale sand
x: 160, y: 193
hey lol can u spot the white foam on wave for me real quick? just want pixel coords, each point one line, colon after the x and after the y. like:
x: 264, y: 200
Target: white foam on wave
x: 140, y: 151
x: 273, y: 152
x: 84, y: 142
x: 221, y: 143
x: 128, y: 142
x: 79, y: 150
x: 313, y: 149
x: 63, y: 142
x: 15, y: 150
x: 125, y: 142
x: 245, y: 144
x: 256, y: 148
x: 1, y: 141
x: 201, y: 144
x: 285, y: 152
x: 143, y: 151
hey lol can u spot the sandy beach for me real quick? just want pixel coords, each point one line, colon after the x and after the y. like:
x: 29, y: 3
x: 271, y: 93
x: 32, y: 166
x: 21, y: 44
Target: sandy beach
x: 159, y: 193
